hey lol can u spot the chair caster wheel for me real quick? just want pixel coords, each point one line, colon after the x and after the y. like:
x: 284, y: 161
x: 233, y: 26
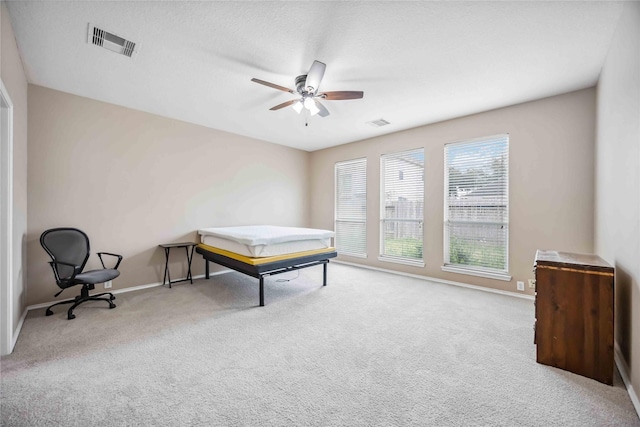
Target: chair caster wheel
x: 112, y: 305
x: 71, y: 316
x: 112, y: 297
x: 48, y: 312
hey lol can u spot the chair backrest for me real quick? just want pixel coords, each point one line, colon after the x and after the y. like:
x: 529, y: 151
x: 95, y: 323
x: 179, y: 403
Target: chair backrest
x: 67, y: 245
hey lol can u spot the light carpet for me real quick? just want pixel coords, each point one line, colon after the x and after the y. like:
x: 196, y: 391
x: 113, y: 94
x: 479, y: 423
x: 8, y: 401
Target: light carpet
x: 370, y: 349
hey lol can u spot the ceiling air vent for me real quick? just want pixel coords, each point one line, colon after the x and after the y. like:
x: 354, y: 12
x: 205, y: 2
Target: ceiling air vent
x: 112, y: 42
x: 378, y: 123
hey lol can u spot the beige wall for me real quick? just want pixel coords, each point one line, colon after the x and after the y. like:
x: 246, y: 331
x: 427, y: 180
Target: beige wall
x: 15, y: 82
x: 617, y: 198
x: 551, y: 149
x: 132, y: 180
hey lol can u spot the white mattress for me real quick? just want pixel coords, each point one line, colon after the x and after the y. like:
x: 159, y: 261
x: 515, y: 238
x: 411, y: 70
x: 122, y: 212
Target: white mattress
x: 266, y: 240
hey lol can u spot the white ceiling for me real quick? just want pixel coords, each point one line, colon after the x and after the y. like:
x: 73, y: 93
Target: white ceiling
x: 417, y: 62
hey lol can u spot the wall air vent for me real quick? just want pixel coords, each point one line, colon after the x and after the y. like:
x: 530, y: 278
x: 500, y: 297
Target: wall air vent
x: 112, y: 42
x: 378, y: 123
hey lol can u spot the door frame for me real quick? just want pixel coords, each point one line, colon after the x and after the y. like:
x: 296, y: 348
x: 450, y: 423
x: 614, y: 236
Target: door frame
x: 6, y: 221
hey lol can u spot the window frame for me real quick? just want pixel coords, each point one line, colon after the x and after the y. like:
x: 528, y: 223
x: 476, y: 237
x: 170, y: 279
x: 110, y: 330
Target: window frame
x: 383, y: 209
x: 336, y: 220
x: 487, y: 272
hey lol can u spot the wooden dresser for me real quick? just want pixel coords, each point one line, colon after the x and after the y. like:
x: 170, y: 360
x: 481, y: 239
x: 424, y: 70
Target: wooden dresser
x: 574, y: 313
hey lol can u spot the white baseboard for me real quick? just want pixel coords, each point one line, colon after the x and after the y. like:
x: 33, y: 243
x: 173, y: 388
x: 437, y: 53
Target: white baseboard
x: 16, y: 333
x: 123, y: 290
x: 623, y: 368
x: 443, y: 281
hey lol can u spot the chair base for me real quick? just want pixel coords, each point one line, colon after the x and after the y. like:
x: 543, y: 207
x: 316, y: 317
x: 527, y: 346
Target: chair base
x: 83, y: 297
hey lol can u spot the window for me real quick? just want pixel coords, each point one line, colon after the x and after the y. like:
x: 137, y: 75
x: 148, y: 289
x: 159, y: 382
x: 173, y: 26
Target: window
x: 402, y: 207
x: 476, y: 207
x: 351, y: 207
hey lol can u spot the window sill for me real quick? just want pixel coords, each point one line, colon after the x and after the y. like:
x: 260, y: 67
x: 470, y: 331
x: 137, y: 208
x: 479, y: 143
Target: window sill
x: 414, y: 263
x: 486, y: 274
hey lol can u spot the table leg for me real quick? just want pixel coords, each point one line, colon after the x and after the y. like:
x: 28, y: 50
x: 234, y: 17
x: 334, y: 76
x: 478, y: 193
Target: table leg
x: 206, y: 268
x: 189, y: 258
x: 166, y: 267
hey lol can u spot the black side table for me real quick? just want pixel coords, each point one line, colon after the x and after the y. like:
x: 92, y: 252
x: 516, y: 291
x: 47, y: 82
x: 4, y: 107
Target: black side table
x: 167, y: 248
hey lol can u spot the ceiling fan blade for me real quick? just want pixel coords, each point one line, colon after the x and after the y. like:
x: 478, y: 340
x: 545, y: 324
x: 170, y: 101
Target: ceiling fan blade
x: 341, y: 95
x: 314, y: 76
x: 323, y: 111
x: 284, y: 104
x: 273, y: 85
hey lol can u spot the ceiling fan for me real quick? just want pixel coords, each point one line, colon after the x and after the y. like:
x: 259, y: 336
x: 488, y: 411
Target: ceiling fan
x: 307, y: 87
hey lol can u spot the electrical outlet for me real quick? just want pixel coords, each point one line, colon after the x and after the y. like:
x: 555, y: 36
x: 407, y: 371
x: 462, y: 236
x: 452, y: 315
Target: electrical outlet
x: 532, y: 283
x: 520, y: 286
x: 107, y: 284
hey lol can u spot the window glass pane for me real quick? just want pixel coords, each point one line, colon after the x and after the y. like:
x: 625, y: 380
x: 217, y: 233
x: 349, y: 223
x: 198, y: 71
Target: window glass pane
x: 351, y: 207
x: 480, y: 245
x: 402, y: 205
x: 476, y: 229
x: 351, y: 237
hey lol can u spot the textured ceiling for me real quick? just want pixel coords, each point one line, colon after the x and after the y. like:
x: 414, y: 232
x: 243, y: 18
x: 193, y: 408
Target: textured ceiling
x: 417, y: 62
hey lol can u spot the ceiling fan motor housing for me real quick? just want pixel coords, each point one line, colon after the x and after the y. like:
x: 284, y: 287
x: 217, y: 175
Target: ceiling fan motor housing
x: 300, y: 82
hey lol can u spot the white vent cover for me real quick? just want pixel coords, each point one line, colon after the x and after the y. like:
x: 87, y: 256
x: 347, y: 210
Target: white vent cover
x: 112, y: 42
x: 379, y: 122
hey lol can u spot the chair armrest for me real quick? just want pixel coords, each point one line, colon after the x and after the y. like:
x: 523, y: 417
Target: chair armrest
x: 76, y: 270
x: 110, y: 254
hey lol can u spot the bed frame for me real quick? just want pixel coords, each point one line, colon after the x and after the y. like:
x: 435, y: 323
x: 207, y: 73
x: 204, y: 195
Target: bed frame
x: 259, y: 271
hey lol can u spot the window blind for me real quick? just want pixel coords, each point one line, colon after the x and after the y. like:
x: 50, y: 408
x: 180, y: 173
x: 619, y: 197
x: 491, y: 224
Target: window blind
x: 402, y: 206
x: 476, y: 204
x: 351, y: 207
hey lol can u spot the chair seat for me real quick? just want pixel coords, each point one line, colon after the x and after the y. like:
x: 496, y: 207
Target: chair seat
x: 96, y: 276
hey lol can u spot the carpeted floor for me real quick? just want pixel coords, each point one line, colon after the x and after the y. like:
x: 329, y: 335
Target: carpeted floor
x: 369, y: 349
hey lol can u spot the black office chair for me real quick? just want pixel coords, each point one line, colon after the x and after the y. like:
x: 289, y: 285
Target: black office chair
x: 69, y: 252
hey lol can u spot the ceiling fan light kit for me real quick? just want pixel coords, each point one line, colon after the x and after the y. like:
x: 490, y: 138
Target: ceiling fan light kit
x: 307, y: 86
x: 310, y: 104
x: 297, y: 106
